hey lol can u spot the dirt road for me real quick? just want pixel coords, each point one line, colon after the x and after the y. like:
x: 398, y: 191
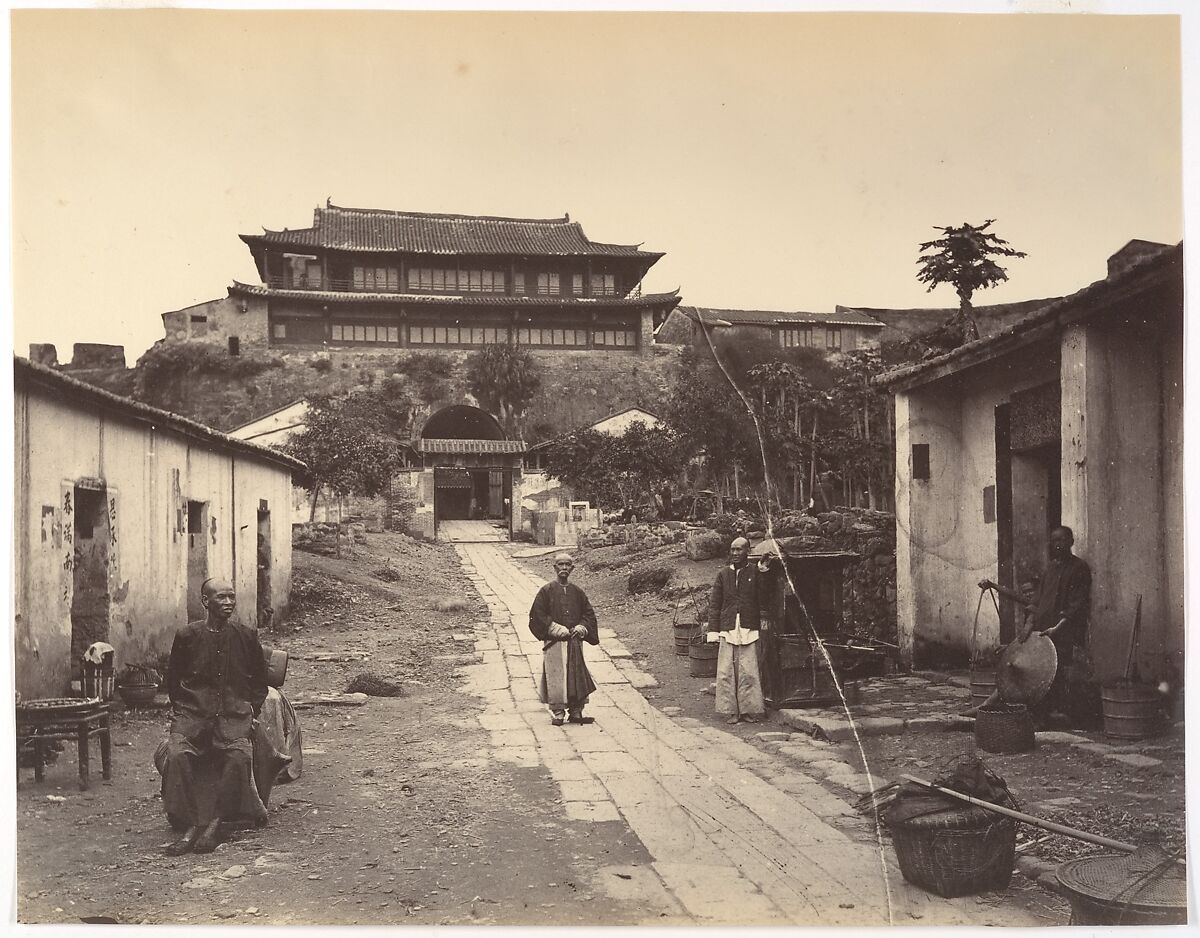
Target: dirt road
x: 401, y: 815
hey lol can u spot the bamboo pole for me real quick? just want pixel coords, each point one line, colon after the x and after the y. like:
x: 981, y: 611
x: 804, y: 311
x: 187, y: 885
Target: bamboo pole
x: 1027, y: 818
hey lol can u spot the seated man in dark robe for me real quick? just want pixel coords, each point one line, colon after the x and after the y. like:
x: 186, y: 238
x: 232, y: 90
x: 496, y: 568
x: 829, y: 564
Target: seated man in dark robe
x: 217, y: 682
x: 562, y: 618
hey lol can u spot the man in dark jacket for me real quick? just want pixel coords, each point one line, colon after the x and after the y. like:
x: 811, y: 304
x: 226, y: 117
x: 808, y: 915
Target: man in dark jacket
x: 562, y: 618
x: 733, y: 620
x: 1059, y: 608
x: 217, y: 682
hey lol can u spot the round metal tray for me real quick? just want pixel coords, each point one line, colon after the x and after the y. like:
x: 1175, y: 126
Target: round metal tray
x: 58, y: 707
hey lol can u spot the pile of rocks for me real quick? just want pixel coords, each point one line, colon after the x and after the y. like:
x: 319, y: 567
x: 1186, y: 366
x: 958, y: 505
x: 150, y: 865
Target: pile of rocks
x: 323, y: 536
x: 869, y: 585
x: 636, y: 537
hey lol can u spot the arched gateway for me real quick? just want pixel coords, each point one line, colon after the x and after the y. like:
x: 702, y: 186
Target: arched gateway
x: 469, y: 468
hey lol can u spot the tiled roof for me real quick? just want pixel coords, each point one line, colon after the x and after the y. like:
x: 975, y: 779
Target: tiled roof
x: 1146, y: 266
x: 482, y: 299
x: 768, y: 317
x: 370, y: 229
x: 66, y: 387
x: 470, y: 446
x: 908, y: 323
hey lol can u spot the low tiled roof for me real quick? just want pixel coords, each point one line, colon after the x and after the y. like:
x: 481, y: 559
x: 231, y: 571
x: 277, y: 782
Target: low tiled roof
x: 63, y: 386
x: 469, y: 446
x: 909, y: 323
x: 472, y: 299
x: 767, y: 317
x: 1146, y: 265
x: 372, y: 229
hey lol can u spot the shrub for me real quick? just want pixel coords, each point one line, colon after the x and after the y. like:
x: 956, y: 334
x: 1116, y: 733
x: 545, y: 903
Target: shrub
x: 451, y: 605
x: 649, y: 578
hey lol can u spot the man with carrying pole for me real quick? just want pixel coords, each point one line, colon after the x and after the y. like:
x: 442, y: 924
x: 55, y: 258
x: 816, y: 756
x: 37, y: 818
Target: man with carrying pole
x: 1058, y: 610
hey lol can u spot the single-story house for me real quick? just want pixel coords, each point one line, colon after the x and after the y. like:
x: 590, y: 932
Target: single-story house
x: 1074, y: 416
x: 842, y: 331
x: 121, y: 512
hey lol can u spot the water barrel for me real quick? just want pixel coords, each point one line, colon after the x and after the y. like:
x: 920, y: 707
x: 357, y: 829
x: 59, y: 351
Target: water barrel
x: 702, y: 657
x: 277, y: 662
x: 1131, y: 711
x: 683, y: 636
x: 983, y: 682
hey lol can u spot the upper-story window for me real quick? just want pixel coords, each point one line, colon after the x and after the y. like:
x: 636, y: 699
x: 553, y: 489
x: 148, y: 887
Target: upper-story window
x: 547, y: 284
x: 795, y: 336
x: 302, y: 272
x: 519, y: 283
x: 376, y: 279
x: 577, y: 284
x: 455, y: 281
x: 604, y: 285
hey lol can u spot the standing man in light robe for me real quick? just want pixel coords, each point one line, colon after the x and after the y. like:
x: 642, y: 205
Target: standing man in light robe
x: 562, y: 619
x: 733, y: 620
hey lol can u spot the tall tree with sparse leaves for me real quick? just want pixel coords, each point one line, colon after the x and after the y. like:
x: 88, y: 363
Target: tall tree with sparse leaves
x: 504, y: 379
x: 962, y: 257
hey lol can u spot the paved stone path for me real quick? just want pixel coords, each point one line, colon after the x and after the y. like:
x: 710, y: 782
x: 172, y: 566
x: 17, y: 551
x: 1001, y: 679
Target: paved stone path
x: 728, y: 847
x: 470, y: 532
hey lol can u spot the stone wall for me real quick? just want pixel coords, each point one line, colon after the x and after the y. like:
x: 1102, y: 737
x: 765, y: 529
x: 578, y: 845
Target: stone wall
x: 868, y: 585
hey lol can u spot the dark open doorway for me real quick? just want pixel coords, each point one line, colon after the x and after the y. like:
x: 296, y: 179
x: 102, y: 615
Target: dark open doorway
x: 90, y: 600
x: 197, y: 557
x: 265, y: 613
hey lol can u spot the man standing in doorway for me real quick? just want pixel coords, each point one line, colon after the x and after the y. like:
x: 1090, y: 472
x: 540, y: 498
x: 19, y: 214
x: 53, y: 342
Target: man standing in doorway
x: 562, y: 618
x: 733, y: 620
x: 217, y: 682
x: 1059, y: 608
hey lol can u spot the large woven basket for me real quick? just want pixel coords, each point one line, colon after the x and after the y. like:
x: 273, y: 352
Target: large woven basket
x: 957, y: 853
x: 1004, y: 728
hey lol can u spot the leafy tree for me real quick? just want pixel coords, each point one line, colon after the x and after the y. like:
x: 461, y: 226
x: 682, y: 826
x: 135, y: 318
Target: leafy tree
x: 504, y: 379
x: 617, y: 470
x: 962, y: 257
x: 428, y: 373
x: 350, y: 441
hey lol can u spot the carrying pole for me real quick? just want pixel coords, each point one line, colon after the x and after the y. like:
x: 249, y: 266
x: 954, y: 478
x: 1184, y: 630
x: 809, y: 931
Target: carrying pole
x: 1027, y: 818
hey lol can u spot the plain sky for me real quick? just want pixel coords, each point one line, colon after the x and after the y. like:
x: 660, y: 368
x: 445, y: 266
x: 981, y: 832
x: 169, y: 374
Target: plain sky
x: 782, y: 161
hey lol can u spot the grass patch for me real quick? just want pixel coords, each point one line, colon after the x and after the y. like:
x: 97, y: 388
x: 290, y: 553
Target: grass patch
x: 373, y: 685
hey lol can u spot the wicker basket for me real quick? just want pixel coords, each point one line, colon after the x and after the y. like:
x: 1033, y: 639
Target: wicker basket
x: 957, y: 853
x: 1004, y: 728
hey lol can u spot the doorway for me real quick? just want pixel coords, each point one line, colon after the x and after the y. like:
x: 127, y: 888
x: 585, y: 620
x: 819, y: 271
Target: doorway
x: 90, y: 600
x: 264, y: 612
x: 197, y: 557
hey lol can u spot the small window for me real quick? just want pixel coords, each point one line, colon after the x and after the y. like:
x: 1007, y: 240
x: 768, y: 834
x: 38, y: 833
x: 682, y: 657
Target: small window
x: 199, y: 319
x: 195, y: 517
x: 833, y: 337
x: 989, y: 505
x: 920, y: 461
x: 279, y: 330
x: 235, y: 345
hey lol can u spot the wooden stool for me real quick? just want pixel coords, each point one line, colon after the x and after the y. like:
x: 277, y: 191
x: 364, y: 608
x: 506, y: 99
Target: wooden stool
x: 41, y: 721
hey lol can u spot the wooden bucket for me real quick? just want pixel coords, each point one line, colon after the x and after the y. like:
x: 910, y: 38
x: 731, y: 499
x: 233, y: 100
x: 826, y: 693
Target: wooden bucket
x: 277, y: 662
x: 983, y: 683
x: 702, y: 657
x: 683, y: 636
x: 1131, y: 711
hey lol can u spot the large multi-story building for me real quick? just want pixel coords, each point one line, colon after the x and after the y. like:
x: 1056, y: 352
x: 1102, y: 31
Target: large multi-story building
x: 379, y: 279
